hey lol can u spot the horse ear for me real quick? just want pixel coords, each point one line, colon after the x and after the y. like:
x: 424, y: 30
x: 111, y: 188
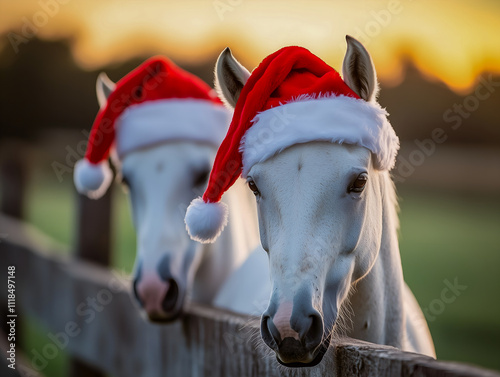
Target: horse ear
x: 230, y: 77
x: 104, y: 87
x: 358, y: 70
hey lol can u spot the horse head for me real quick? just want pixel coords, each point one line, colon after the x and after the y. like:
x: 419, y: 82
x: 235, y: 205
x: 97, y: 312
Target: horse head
x: 319, y: 196
x: 164, y: 151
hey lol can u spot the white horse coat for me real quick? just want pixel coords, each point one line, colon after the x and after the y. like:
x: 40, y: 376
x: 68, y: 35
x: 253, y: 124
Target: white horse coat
x: 328, y: 221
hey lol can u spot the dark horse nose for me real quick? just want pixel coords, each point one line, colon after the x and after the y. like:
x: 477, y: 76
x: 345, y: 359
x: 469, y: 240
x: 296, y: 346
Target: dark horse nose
x: 157, y: 297
x: 158, y: 294
x: 294, y: 332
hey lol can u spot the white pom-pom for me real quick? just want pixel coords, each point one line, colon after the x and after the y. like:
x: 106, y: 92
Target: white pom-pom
x: 92, y: 179
x: 205, y: 221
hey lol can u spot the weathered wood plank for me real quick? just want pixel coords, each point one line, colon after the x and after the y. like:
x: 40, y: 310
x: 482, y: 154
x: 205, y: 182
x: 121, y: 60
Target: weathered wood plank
x: 89, y: 310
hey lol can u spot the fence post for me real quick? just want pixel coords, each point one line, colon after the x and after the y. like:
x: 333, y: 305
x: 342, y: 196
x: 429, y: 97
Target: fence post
x: 13, y: 181
x: 93, y: 243
x: 93, y: 237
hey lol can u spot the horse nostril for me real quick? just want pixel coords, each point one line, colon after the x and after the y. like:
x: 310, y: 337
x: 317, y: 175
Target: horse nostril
x: 312, y: 335
x: 170, y: 301
x: 269, y: 332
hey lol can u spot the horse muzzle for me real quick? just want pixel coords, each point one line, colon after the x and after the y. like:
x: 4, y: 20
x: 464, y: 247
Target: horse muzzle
x: 295, y: 333
x: 160, y: 300
x: 283, y: 358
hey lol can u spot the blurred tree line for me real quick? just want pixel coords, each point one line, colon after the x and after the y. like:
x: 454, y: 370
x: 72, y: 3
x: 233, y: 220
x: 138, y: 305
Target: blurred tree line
x: 42, y: 88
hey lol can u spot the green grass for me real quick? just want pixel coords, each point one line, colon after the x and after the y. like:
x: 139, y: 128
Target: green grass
x: 51, y: 206
x: 448, y: 237
x: 443, y: 236
x: 37, y: 345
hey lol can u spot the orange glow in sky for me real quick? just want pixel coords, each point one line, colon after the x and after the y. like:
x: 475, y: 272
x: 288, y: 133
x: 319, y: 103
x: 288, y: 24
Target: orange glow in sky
x: 449, y: 41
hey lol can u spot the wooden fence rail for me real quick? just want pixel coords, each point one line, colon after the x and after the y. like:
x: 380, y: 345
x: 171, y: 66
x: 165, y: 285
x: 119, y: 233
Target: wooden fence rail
x: 89, y: 314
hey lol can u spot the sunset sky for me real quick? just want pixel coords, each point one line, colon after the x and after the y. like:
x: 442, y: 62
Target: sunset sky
x: 451, y: 41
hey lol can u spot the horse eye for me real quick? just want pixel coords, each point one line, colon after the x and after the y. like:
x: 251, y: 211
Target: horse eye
x: 359, y: 183
x: 253, y: 187
x: 201, y: 178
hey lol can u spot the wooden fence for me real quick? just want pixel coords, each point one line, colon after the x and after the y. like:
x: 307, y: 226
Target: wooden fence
x: 89, y: 313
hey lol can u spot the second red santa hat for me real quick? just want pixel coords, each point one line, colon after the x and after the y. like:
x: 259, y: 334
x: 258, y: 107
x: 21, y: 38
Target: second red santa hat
x: 154, y: 103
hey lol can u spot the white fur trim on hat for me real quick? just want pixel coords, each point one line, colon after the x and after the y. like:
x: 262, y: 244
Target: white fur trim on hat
x: 338, y: 119
x: 157, y: 121
x: 92, y: 179
x: 205, y: 221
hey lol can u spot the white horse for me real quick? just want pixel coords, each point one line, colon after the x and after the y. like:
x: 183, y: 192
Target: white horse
x: 170, y: 267
x: 334, y: 256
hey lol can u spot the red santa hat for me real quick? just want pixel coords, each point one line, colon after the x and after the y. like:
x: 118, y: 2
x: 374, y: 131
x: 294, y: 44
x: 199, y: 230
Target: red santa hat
x: 154, y: 103
x: 291, y: 97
